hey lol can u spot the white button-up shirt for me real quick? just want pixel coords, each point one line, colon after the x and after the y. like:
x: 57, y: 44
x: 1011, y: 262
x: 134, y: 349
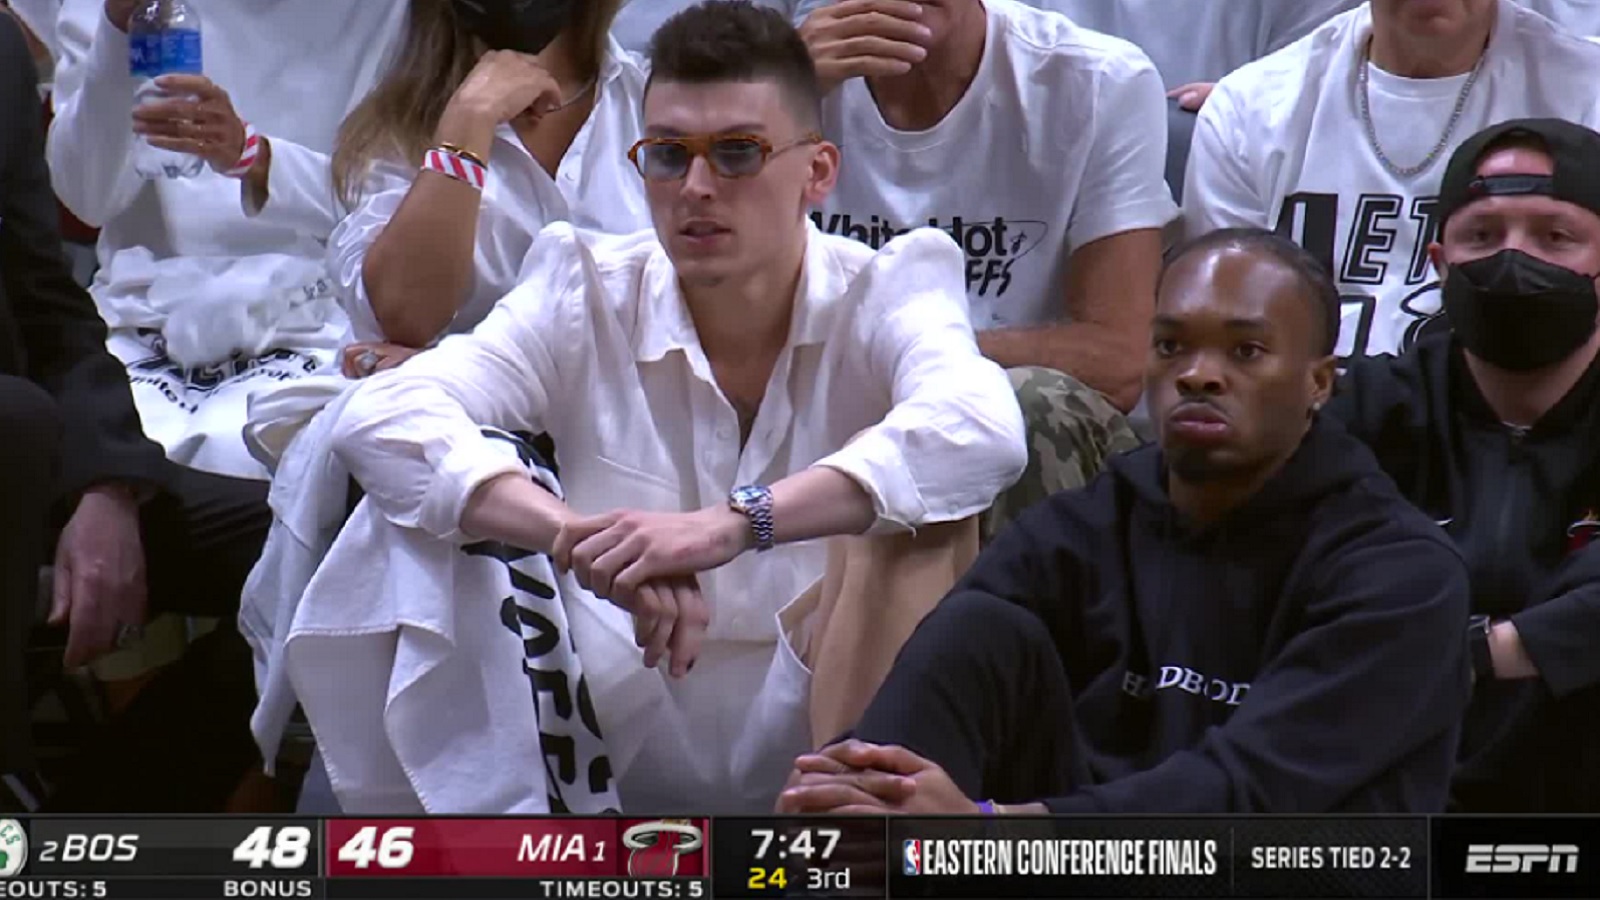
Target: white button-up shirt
x: 881, y: 379
x: 595, y: 187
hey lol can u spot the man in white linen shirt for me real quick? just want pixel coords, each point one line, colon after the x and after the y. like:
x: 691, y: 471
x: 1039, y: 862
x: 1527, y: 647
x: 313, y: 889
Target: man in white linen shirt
x: 734, y: 381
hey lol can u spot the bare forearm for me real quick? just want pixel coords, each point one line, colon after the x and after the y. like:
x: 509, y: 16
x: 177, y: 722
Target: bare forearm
x: 1105, y: 360
x: 818, y: 503
x: 420, y: 269
x: 513, y: 510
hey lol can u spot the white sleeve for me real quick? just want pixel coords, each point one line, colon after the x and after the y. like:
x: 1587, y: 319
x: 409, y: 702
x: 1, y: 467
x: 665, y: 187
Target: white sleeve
x: 1217, y: 188
x: 1124, y: 185
x: 91, y: 140
x: 300, y: 193
x: 412, y: 436
x: 954, y: 438
x: 1289, y: 22
x: 383, y: 190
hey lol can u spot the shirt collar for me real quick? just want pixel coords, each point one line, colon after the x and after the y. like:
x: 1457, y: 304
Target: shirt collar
x: 664, y: 325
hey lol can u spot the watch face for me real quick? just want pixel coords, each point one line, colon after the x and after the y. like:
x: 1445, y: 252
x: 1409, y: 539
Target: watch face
x: 746, y: 497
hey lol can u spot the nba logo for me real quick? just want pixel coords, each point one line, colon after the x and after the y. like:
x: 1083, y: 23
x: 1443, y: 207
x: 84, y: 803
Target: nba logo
x: 913, y: 857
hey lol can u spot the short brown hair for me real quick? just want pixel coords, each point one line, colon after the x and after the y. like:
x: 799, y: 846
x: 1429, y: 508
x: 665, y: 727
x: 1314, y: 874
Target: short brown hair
x: 735, y: 40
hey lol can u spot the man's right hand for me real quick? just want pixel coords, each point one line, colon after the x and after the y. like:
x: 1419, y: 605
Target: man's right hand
x: 120, y: 11
x: 502, y: 86
x: 865, y: 39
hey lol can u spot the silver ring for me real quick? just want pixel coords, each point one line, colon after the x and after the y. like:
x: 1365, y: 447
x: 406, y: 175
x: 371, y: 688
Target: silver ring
x: 127, y: 634
x: 367, y: 362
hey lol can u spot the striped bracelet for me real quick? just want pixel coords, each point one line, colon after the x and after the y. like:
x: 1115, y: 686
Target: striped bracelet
x: 247, y: 158
x: 456, y: 165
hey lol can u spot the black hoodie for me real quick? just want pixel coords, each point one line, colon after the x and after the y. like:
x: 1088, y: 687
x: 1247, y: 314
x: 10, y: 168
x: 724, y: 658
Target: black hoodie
x: 1523, y: 505
x: 1303, y: 654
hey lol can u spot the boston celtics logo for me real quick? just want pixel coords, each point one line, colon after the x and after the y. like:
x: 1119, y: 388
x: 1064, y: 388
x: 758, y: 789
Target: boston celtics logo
x: 13, y: 847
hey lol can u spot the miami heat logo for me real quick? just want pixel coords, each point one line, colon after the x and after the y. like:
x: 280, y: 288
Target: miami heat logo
x: 655, y: 847
x: 1582, y: 533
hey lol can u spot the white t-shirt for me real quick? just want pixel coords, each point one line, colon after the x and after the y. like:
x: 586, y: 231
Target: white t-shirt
x: 1201, y: 40
x: 638, y: 20
x: 595, y: 188
x: 1581, y: 17
x: 1281, y: 144
x: 1059, y: 141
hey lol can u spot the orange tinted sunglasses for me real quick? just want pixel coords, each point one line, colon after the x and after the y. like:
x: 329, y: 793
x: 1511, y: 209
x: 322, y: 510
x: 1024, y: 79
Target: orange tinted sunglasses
x: 729, y: 155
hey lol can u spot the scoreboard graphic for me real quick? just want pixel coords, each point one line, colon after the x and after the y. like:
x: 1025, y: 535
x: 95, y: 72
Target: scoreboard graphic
x: 1330, y: 858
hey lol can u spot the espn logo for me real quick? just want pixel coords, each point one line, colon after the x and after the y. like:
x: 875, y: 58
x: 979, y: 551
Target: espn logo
x: 1522, y: 859
x: 912, y: 857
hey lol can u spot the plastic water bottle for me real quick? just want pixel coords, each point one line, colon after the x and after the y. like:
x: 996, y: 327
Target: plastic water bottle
x: 163, y: 39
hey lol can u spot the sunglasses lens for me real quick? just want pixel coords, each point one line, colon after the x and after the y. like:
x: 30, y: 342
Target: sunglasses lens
x: 664, y: 162
x: 737, y: 157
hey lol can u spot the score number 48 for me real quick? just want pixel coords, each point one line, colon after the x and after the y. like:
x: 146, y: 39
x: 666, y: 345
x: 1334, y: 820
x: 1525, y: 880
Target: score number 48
x: 287, y: 847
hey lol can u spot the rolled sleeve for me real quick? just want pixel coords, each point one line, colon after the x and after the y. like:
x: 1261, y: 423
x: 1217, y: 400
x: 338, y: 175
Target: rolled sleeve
x: 1125, y: 186
x: 300, y: 194
x: 413, y: 437
x: 383, y: 191
x: 954, y: 436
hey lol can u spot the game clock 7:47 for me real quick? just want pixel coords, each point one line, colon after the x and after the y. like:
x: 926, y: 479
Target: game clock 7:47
x: 799, y: 857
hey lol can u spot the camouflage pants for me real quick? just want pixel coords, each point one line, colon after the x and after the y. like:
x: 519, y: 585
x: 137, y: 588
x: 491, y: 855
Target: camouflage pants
x: 1072, y: 431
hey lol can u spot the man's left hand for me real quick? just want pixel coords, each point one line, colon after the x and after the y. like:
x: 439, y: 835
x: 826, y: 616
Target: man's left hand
x: 615, y: 553
x: 854, y: 777
x: 100, y: 590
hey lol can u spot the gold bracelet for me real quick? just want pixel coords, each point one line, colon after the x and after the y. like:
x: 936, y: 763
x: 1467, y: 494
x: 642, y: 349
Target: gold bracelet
x: 464, y: 153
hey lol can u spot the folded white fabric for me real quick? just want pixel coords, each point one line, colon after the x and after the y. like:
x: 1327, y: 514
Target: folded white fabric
x: 436, y: 678
x: 212, y: 309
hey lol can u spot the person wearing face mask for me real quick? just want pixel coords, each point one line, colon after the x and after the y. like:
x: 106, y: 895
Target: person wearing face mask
x: 1492, y: 426
x: 498, y: 118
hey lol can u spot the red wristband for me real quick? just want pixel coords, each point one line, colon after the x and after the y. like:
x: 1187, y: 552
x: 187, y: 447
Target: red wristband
x: 252, y: 152
x: 455, y: 165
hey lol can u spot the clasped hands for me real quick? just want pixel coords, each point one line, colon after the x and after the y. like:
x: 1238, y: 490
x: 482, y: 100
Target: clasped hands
x: 646, y: 563
x: 857, y: 778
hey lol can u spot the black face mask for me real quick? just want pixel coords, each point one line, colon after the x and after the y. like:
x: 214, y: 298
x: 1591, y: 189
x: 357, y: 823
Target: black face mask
x: 1519, y: 312
x: 525, y: 26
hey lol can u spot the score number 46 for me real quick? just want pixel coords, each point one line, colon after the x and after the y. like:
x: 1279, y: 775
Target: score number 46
x: 287, y: 847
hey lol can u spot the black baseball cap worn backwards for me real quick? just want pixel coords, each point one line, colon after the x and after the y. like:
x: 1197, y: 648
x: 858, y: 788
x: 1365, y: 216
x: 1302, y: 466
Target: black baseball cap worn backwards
x: 1574, y: 149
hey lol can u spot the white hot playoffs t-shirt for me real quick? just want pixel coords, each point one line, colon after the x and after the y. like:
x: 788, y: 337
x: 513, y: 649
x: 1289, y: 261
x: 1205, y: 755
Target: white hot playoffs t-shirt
x: 1059, y: 141
x: 1281, y: 144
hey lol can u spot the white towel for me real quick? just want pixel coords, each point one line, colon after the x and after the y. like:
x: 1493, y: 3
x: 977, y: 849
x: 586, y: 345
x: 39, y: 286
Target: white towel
x: 436, y: 678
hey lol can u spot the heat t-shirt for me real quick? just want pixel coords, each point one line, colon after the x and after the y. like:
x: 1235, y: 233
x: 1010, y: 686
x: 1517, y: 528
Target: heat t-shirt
x: 1059, y: 141
x: 1282, y: 144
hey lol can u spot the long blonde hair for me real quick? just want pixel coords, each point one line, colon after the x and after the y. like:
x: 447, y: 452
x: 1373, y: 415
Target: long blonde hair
x: 397, y: 120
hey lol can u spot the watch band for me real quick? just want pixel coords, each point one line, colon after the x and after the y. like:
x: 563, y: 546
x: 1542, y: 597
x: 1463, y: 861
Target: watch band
x: 754, y: 501
x: 1478, y: 646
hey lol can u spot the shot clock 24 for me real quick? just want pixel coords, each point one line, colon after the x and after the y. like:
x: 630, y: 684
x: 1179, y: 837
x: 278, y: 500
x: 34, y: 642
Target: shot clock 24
x: 799, y: 857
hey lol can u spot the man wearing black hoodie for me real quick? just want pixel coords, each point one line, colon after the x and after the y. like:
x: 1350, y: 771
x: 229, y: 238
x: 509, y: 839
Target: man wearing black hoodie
x: 1492, y: 427
x: 1247, y: 618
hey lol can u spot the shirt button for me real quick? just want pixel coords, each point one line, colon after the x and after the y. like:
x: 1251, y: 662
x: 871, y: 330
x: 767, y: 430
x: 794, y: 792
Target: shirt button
x: 724, y: 433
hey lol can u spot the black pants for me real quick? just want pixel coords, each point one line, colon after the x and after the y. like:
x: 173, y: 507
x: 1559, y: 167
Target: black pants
x: 980, y: 690
x: 202, y: 534
x: 30, y: 450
